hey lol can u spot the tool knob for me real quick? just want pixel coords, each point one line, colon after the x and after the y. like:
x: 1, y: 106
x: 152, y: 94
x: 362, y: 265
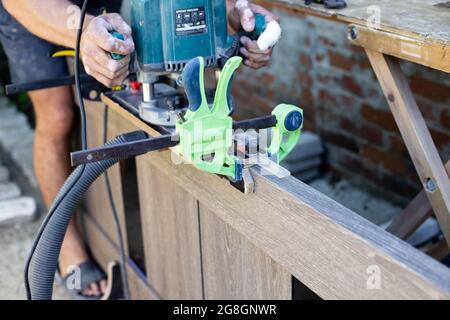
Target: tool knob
x: 119, y: 36
x: 293, y: 121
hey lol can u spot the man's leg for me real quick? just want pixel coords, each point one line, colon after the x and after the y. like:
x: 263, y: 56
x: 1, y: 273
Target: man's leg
x: 54, y: 121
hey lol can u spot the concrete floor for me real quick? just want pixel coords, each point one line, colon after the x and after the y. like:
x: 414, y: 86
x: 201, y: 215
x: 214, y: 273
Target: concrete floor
x: 15, y: 244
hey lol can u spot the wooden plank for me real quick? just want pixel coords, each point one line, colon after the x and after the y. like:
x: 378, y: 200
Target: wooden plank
x: 438, y: 250
x: 433, y: 55
x: 326, y: 246
x: 415, y: 30
x: 105, y: 251
x: 415, y: 214
x: 415, y: 134
x: 233, y: 268
x: 421, y: 19
x: 171, y: 235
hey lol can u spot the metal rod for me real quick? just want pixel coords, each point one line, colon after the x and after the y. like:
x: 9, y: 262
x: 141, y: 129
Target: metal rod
x: 136, y: 148
x: 125, y: 150
x: 263, y: 122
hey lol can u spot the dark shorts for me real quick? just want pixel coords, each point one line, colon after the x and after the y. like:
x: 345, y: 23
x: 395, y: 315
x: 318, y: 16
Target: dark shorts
x: 28, y: 55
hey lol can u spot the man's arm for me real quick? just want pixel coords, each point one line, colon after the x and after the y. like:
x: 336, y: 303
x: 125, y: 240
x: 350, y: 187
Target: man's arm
x: 50, y: 19
x: 45, y: 19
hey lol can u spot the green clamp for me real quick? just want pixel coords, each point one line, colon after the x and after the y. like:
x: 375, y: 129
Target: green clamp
x: 287, y: 132
x: 206, y: 133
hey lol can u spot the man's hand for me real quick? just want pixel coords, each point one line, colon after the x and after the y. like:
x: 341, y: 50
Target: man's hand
x: 243, y: 17
x: 97, y: 44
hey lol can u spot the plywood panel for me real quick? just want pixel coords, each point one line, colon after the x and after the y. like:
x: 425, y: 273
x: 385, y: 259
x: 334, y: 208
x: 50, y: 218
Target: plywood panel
x: 233, y: 268
x: 171, y: 235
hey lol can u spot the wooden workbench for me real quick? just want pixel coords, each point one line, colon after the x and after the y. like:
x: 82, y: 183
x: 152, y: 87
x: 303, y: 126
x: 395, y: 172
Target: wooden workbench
x: 191, y: 235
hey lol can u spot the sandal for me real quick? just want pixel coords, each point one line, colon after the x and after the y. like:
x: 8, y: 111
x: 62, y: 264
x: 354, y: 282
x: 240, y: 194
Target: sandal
x: 89, y: 273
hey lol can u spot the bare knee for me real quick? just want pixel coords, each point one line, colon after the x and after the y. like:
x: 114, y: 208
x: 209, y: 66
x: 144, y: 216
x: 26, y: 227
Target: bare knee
x: 54, y: 112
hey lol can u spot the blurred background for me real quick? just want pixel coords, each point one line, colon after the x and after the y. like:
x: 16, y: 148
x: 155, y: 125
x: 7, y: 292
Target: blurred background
x: 351, y: 149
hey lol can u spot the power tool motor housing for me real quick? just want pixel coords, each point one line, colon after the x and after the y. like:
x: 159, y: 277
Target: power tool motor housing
x: 169, y: 33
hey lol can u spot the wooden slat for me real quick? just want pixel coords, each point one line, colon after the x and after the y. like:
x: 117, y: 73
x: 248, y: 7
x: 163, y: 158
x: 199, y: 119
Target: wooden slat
x: 326, y: 246
x: 415, y: 214
x: 105, y: 251
x: 415, y: 134
x: 233, y: 268
x: 171, y: 235
x: 97, y: 202
x: 438, y: 250
x: 433, y: 55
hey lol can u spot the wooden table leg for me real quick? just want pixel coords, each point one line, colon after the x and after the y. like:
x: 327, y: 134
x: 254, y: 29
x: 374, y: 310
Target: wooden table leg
x: 416, y: 135
x: 414, y: 215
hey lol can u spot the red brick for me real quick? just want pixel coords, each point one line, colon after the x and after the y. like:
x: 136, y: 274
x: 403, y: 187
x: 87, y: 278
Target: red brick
x: 388, y: 161
x: 347, y: 101
x: 340, y: 61
x: 381, y: 118
x: 445, y: 119
x: 431, y: 89
x: 305, y: 80
x: 370, y: 134
x: 304, y: 59
x: 327, y: 42
x: 327, y: 99
x: 271, y: 94
x: 364, y: 64
x: 307, y: 97
x: 397, y: 146
x: 319, y: 57
x: 309, y: 124
x: 398, y: 185
x: 350, y: 126
x: 340, y: 140
x: 267, y: 78
x: 427, y: 107
x: 352, y: 86
x: 440, y: 138
x: 357, y: 49
x: 324, y: 79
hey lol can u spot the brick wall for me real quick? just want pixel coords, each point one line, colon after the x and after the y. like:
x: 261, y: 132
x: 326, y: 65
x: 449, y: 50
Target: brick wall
x: 316, y: 68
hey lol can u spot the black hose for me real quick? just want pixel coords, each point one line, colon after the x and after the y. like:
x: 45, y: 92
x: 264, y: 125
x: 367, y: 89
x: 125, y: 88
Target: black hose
x: 44, y: 261
x: 75, y: 177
